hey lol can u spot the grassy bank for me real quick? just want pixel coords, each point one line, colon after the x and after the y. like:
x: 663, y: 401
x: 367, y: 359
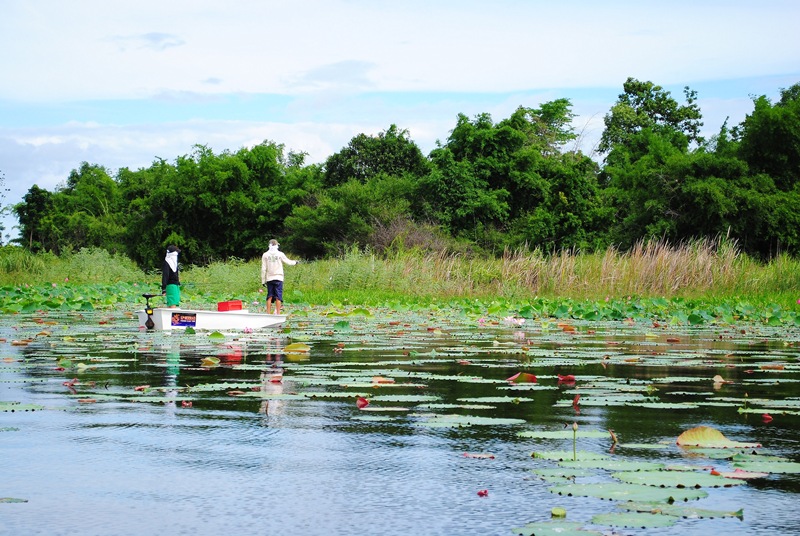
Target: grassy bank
x: 701, y: 269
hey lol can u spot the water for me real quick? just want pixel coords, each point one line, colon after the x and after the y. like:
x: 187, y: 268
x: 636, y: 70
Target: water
x: 272, y: 458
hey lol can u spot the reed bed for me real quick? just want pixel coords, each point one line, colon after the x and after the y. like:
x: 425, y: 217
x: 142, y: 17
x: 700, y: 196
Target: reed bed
x: 699, y: 268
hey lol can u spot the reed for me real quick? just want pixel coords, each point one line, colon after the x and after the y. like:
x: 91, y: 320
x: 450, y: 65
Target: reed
x: 700, y: 268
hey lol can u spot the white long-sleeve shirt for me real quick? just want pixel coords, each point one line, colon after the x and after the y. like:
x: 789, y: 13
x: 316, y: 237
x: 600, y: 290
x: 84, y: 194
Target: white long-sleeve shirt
x: 272, y: 262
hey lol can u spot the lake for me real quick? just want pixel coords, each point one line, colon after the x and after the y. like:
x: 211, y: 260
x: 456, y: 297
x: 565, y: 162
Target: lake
x: 395, y: 422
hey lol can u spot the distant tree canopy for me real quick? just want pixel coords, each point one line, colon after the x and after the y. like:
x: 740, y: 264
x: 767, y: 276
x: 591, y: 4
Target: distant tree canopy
x: 489, y: 186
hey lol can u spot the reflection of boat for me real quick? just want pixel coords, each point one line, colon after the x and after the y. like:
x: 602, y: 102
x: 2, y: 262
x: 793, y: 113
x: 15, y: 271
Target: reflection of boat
x: 179, y: 318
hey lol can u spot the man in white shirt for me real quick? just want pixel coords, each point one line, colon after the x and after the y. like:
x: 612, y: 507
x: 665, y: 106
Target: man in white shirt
x: 272, y: 262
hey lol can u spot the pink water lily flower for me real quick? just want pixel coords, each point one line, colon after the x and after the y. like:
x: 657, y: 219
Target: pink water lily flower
x: 513, y: 321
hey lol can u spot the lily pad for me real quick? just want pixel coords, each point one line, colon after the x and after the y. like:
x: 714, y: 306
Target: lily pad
x: 620, y: 491
x: 769, y: 467
x: 680, y: 510
x: 676, y: 479
x: 705, y: 436
x: 562, y: 434
x: 562, y: 455
x: 633, y: 520
x: 460, y: 421
x: 554, y: 528
x: 612, y: 465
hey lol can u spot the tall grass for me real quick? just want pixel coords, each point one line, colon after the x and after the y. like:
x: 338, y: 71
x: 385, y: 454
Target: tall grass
x: 702, y: 268
x: 92, y: 265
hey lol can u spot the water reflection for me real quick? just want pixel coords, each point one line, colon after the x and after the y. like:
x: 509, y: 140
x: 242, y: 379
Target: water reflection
x: 271, y: 379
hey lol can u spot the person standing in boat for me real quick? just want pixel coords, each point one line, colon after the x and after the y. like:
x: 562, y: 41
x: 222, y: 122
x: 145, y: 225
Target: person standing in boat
x: 170, y: 280
x: 272, y: 262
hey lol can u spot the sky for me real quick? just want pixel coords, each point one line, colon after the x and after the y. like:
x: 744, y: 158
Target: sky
x: 125, y: 83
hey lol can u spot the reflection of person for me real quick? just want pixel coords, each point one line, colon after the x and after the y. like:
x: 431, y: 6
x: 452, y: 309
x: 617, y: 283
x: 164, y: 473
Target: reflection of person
x: 272, y: 262
x: 271, y: 388
x: 170, y: 281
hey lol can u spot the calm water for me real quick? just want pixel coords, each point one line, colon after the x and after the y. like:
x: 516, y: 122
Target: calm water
x: 254, y: 455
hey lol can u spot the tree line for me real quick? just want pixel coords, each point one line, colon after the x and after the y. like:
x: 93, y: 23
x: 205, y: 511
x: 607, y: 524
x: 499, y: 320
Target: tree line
x: 515, y: 184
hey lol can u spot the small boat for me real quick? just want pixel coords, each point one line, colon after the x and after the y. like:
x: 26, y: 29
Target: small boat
x: 169, y: 318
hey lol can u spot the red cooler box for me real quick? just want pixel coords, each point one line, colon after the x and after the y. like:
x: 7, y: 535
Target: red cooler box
x: 234, y: 305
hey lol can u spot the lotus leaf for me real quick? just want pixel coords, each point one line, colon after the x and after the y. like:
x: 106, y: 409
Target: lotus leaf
x: 620, y: 491
x: 680, y: 510
x: 633, y: 520
x: 562, y: 455
x: 677, y: 479
x: 467, y: 420
x: 769, y: 467
x: 612, y: 465
x: 705, y: 436
x: 554, y: 528
x: 562, y: 434
x: 496, y: 399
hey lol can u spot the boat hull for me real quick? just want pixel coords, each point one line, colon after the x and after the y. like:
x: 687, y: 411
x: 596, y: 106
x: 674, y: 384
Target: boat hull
x: 165, y: 319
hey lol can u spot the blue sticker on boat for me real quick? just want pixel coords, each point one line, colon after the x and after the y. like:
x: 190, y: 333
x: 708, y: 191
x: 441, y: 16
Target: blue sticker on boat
x: 184, y: 319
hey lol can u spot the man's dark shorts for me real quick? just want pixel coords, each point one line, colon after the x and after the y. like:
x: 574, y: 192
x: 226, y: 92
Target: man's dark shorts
x: 275, y: 290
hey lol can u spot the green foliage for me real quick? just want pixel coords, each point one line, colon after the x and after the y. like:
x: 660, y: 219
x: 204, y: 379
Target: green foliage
x: 390, y: 153
x: 770, y: 138
x: 490, y: 188
x: 646, y: 106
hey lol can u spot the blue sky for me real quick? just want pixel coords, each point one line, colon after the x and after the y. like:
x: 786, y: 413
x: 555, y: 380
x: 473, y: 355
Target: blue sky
x: 123, y: 83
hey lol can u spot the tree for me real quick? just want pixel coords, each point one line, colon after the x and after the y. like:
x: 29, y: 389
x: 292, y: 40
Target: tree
x: 390, y: 153
x: 770, y: 138
x: 644, y: 105
x: 36, y: 205
x: 512, y: 183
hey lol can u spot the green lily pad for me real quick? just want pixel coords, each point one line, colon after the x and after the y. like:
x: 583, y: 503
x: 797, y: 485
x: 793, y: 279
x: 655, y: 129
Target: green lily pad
x: 633, y: 520
x: 620, y: 491
x: 496, y: 399
x: 612, y: 465
x: 680, y: 510
x: 460, y: 421
x: 554, y: 528
x: 677, y: 479
x: 557, y: 474
x: 562, y: 455
x: 562, y: 434
x: 769, y: 467
x: 16, y: 407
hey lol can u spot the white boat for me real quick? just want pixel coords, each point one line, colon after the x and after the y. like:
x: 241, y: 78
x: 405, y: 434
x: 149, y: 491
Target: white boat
x: 228, y: 316
x: 165, y: 318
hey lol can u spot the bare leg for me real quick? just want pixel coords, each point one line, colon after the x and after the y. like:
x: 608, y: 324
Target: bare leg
x: 277, y: 307
x: 269, y: 305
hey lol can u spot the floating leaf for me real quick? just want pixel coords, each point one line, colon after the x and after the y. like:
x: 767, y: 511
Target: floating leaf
x: 677, y: 479
x: 612, y: 465
x: 297, y: 347
x: 522, y: 377
x: 633, y: 520
x: 770, y: 467
x: 209, y: 362
x: 562, y: 434
x: 554, y: 528
x: 445, y: 421
x: 562, y: 455
x: 618, y: 491
x: 742, y: 474
x: 705, y: 436
x: 680, y: 510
